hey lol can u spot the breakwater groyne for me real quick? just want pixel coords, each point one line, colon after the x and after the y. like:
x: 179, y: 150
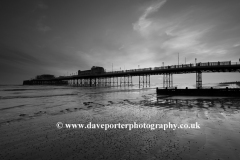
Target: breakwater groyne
x: 226, y: 92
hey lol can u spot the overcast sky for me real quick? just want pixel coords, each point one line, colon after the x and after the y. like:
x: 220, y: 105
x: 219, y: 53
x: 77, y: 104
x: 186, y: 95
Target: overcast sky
x: 59, y: 37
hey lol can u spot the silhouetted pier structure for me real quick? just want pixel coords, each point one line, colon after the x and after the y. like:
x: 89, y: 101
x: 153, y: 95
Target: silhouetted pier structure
x: 124, y: 78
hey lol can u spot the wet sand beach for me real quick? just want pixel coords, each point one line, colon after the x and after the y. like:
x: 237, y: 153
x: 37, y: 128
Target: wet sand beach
x: 28, y: 125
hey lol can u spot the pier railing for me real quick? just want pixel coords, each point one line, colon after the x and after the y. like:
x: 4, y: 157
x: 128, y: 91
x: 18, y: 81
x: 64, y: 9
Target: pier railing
x: 182, y: 66
x: 190, y: 65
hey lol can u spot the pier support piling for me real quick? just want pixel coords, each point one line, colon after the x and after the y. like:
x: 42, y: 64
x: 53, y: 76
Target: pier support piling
x: 144, y: 80
x: 167, y: 80
x: 199, y: 79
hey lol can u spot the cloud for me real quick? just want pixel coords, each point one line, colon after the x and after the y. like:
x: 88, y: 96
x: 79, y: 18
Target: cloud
x: 41, y: 26
x: 183, y: 39
x: 143, y: 23
x: 163, y: 37
x: 11, y: 54
x: 236, y: 45
x: 123, y: 46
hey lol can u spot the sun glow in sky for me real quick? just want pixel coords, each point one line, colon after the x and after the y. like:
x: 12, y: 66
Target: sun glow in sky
x: 61, y: 37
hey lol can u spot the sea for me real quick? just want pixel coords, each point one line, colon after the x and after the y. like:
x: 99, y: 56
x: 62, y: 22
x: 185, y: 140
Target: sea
x: 24, y: 108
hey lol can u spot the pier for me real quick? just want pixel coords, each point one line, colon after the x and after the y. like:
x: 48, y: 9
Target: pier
x: 124, y: 77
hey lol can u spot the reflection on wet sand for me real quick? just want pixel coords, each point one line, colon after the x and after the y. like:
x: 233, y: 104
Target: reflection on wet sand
x: 219, y: 135
x: 28, y: 130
